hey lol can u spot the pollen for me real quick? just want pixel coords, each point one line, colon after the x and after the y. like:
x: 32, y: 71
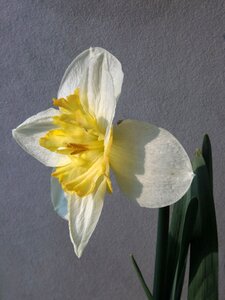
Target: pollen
x: 78, y: 135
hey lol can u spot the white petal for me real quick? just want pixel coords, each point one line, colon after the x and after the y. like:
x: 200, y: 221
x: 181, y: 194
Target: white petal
x: 59, y: 199
x: 99, y: 75
x: 84, y: 214
x: 28, y: 133
x: 150, y: 164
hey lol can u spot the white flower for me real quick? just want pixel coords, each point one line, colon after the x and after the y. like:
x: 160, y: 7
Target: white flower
x: 82, y: 145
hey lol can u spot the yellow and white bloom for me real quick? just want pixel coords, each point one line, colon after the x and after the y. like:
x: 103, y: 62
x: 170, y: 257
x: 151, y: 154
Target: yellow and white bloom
x: 79, y: 140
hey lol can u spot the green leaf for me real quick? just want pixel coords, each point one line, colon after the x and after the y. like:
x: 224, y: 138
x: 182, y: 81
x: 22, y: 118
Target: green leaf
x: 203, y: 276
x: 141, y: 278
x: 207, y: 155
x: 161, y: 252
x: 186, y: 237
x: 174, y: 242
x: 180, y: 233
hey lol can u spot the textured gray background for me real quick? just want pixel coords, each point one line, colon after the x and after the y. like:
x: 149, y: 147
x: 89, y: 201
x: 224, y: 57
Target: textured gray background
x: 172, y: 54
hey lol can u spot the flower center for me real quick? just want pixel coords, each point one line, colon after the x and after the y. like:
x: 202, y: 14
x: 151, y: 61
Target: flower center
x: 78, y: 135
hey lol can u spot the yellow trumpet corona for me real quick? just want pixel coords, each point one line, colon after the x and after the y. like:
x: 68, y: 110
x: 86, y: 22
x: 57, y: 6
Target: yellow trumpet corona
x: 79, y: 136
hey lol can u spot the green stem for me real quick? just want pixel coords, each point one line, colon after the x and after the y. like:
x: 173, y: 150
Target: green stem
x: 161, y: 253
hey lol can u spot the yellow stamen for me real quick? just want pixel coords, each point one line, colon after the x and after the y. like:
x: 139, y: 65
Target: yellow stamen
x: 78, y: 135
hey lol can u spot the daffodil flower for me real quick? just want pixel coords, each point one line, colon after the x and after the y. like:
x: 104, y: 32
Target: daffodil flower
x: 81, y: 143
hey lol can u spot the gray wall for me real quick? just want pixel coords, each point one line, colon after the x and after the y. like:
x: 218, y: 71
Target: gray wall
x: 172, y: 52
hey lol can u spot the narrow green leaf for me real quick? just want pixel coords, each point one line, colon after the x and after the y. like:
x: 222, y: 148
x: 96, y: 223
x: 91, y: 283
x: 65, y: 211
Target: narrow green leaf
x: 207, y: 155
x: 180, y: 233
x: 186, y: 237
x: 174, y: 241
x: 141, y: 278
x: 161, y: 252
x: 203, y: 276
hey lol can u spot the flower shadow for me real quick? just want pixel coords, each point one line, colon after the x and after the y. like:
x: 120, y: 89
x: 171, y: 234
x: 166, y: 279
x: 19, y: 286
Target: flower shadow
x: 128, y: 154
